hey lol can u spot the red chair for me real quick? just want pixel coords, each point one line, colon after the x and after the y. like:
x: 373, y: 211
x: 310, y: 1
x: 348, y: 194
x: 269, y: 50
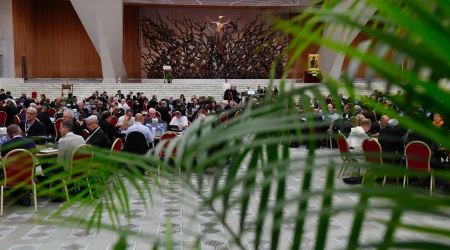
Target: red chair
x: 166, y: 139
x: 372, y: 153
x: 79, y: 168
x: 18, y: 169
x: 189, y: 123
x: 224, y: 118
x: 158, y: 114
x: 85, y: 133
x: 145, y: 107
x: 57, y: 126
x: 173, y: 115
x: 230, y: 96
x: 21, y: 111
x: 16, y: 119
x: 3, y: 116
x: 130, y: 104
x: 345, y: 153
x: 333, y: 105
x: 114, y: 121
x: 157, y: 106
x: 52, y: 112
x: 207, y: 107
x: 34, y: 94
x: 417, y: 156
x: 238, y: 113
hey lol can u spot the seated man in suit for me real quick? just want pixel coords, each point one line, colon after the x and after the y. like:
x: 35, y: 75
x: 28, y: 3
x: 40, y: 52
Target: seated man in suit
x: 30, y: 126
x: 108, y: 128
x: 18, y: 142
x: 96, y: 136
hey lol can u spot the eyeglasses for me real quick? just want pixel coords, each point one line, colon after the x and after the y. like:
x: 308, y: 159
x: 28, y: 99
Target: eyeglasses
x: 152, y: 113
x: 30, y: 113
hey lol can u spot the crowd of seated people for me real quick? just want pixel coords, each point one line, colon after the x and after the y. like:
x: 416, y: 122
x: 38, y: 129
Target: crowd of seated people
x: 367, y: 116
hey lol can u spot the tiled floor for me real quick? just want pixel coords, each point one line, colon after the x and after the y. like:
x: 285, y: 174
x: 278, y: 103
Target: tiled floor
x: 21, y: 228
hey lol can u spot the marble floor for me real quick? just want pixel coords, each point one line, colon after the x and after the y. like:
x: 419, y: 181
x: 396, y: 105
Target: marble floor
x: 175, y: 208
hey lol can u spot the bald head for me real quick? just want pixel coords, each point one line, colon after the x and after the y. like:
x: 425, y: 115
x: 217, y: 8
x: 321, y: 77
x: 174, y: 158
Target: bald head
x: 139, y: 118
x: 383, y: 120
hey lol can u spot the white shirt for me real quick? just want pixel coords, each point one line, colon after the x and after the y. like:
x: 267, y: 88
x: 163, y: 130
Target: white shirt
x: 125, y: 107
x: 129, y: 123
x: 226, y: 86
x: 183, y: 121
x: 356, y: 137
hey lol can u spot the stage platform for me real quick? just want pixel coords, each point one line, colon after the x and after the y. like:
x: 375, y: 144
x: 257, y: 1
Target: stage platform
x: 188, y: 87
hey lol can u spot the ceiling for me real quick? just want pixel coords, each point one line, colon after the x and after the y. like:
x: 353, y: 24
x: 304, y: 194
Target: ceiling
x: 262, y: 3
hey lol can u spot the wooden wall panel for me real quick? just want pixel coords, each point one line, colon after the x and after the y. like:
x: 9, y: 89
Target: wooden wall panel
x: 24, y: 30
x: 131, y: 33
x: 62, y: 47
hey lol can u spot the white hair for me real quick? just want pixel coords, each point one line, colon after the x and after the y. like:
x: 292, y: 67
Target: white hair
x: 32, y: 109
x: 80, y: 102
x: 69, y: 112
x: 225, y: 102
x: 152, y: 109
x: 92, y: 119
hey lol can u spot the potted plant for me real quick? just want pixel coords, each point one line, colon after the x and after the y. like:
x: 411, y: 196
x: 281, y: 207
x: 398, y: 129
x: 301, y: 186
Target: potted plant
x: 169, y: 77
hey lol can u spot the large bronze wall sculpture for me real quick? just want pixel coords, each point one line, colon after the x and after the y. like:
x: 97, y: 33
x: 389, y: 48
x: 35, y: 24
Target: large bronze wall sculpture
x: 209, y: 49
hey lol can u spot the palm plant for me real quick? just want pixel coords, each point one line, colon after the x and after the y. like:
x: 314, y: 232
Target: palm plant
x: 251, y: 153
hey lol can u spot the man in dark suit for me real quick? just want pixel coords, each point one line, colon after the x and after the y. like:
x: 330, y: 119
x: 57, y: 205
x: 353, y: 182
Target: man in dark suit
x: 96, y: 135
x: 31, y: 126
x: 119, y: 94
x: 11, y: 111
x: 164, y: 111
x: 44, y: 117
x: 2, y: 95
x: 108, y: 128
x: 391, y: 141
x: 18, y: 142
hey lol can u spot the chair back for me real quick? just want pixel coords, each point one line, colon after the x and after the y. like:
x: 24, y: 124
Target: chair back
x: 22, y: 110
x: 173, y: 114
x: 117, y: 145
x: 130, y: 104
x: 224, y: 117
x: 16, y: 119
x: 418, y: 155
x: 136, y: 143
x: 114, y: 121
x: 18, y: 168
x: 34, y: 94
x: 81, y: 160
x: 165, y: 139
x: 145, y: 107
x: 372, y: 151
x: 230, y: 96
x: 85, y: 133
x: 3, y: 116
x: 343, y: 146
x: 238, y: 113
x: 158, y: 114
x: 157, y: 106
x: 57, y: 126
x: 52, y: 112
x: 207, y: 107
